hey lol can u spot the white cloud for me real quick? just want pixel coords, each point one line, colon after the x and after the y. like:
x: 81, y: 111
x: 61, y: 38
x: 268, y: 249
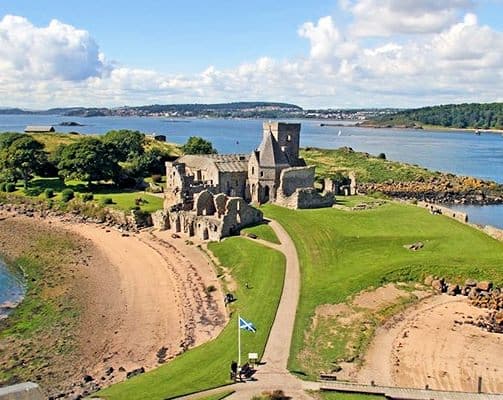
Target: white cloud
x: 388, y: 17
x: 58, y: 51
x: 60, y: 65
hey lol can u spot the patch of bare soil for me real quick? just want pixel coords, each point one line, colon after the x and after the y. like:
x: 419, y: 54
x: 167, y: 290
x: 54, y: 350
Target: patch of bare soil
x: 344, y: 329
x: 433, y: 344
x: 380, y: 297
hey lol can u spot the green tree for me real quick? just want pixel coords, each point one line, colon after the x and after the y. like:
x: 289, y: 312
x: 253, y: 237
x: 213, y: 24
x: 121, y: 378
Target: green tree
x: 7, y: 138
x: 128, y: 144
x: 198, y: 145
x: 23, y: 157
x: 89, y: 160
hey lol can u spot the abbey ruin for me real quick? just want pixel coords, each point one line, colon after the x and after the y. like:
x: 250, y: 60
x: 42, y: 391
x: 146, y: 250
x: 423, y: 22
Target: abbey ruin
x: 211, y: 196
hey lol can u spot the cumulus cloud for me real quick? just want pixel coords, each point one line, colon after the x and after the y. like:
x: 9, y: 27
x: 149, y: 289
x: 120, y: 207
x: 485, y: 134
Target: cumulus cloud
x: 57, y: 51
x: 388, y: 17
x: 60, y: 65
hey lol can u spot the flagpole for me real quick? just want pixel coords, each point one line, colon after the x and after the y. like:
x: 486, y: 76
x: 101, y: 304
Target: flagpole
x: 239, y: 342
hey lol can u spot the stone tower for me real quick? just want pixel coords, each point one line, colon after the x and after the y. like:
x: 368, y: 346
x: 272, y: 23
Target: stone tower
x: 279, y: 150
x: 288, y: 137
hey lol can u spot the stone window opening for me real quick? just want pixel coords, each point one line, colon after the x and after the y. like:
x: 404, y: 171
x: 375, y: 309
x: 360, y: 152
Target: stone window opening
x: 261, y: 173
x: 253, y: 170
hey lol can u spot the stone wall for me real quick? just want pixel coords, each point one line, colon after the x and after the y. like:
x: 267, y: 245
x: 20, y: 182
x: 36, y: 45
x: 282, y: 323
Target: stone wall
x: 306, y: 198
x: 436, y: 209
x: 21, y: 391
x: 213, y: 217
x: 295, y: 178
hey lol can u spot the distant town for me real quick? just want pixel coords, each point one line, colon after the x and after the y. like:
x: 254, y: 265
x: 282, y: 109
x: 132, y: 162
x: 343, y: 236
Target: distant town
x: 223, y: 110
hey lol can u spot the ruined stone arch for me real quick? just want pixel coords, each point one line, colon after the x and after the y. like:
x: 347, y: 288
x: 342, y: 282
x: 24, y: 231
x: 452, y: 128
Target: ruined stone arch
x: 205, y: 204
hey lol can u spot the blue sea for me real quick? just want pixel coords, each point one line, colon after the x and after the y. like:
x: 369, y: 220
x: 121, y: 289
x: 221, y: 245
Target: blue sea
x: 11, y: 289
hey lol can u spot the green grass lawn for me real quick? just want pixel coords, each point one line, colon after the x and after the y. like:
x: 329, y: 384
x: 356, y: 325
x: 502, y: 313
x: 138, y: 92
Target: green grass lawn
x: 122, y: 199
x: 342, y: 253
x: 263, y: 231
x: 351, y: 201
x: 208, y: 365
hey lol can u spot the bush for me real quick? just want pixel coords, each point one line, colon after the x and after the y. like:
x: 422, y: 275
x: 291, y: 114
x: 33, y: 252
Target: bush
x: 381, y: 156
x: 67, y: 195
x: 106, y: 201
x: 2, y: 186
x: 156, y: 178
x: 10, y: 187
x: 87, y: 196
x: 49, y: 193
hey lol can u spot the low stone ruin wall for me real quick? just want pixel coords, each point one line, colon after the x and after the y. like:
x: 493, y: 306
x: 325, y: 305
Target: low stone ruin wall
x: 21, y: 391
x: 436, y: 209
x: 306, y: 198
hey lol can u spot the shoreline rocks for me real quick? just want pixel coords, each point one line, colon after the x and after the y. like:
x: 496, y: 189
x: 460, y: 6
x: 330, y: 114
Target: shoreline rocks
x: 481, y: 294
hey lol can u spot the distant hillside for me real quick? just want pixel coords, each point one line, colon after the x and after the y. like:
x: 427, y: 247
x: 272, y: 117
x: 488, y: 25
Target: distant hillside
x: 475, y: 116
x: 221, y: 110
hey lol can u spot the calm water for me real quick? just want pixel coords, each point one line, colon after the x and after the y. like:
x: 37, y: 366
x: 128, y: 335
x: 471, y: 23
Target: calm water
x: 11, y: 288
x: 458, y: 152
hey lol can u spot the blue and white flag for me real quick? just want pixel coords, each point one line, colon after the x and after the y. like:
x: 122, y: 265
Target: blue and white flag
x: 248, y: 326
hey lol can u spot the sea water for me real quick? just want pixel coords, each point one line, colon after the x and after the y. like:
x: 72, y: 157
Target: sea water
x: 11, y: 289
x: 458, y: 152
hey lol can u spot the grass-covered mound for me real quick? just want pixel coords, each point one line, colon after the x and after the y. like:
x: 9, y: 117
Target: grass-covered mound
x: 342, y: 253
x: 208, y: 365
x: 368, y: 168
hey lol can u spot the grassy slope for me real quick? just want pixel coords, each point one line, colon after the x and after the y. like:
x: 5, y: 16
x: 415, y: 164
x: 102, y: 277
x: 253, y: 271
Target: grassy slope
x: 264, y: 232
x: 208, y: 365
x: 367, y: 168
x: 342, y: 253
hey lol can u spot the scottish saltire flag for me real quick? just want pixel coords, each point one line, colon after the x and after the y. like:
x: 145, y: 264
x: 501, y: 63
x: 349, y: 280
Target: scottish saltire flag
x: 247, y: 326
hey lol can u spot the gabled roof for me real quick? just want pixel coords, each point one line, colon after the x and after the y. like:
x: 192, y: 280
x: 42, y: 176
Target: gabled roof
x: 39, y: 128
x: 222, y: 162
x: 270, y: 152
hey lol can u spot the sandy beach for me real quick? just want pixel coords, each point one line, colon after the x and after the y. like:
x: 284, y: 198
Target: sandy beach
x: 430, y: 344
x: 143, y: 297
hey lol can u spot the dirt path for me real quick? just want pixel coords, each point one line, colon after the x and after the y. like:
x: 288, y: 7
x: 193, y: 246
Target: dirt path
x: 274, y: 375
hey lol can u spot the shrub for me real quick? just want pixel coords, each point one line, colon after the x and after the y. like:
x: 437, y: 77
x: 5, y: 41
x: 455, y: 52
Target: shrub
x: 87, y: 196
x: 67, y: 195
x: 157, y: 178
x: 10, y: 187
x: 381, y: 156
x: 49, y: 193
x: 33, y: 192
x: 2, y: 186
x: 106, y: 201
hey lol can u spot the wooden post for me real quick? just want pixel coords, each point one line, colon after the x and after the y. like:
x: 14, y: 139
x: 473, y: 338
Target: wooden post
x: 479, y: 389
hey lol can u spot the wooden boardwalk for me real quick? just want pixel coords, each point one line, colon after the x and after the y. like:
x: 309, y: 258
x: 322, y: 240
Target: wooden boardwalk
x: 406, y: 393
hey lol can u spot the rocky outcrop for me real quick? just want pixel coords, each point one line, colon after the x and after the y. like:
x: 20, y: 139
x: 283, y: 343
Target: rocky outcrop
x: 445, y: 188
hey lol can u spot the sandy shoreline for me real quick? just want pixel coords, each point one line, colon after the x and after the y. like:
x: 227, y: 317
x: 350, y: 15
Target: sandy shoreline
x: 143, y: 298
x: 430, y: 344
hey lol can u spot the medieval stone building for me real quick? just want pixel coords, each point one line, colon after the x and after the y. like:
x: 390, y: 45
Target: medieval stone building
x: 208, y: 195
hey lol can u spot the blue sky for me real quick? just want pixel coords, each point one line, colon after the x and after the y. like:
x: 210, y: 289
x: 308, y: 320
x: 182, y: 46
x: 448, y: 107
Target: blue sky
x: 322, y: 53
